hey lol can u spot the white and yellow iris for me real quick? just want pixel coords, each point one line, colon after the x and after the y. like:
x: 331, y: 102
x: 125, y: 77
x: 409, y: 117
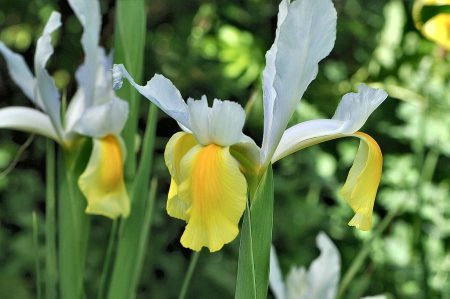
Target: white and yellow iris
x: 437, y: 28
x: 212, y: 162
x: 208, y: 189
x: 94, y: 110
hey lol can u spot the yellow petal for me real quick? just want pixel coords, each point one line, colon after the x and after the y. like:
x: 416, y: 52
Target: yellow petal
x: 102, y: 181
x: 437, y: 29
x: 216, y: 192
x: 361, y: 186
x: 176, y: 148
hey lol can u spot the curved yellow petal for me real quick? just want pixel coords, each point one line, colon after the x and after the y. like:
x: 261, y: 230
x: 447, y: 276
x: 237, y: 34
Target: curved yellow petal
x: 437, y: 29
x: 216, y: 191
x: 361, y: 186
x: 176, y: 148
x: 102, y: 181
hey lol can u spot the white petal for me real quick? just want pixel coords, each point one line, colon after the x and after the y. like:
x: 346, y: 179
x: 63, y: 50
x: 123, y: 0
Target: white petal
x: 29, y: 120
x: 275, y: 276
x: 74, y: 110
x: 88, y: 12
x: 45, y: 84
x: 324, y: 272
x: 105, y: 119
x: 160, y: 91
x: 20, y: 73
x: 269, y: 72
x: 305, y: 35
x: 198, y: 119
x: 351, y: 114
x: 305, y: 134
x: 355, y: 108
x: 226, y: 121
x: 297, y: 283
x: 103, y: 91
x: 221, y: 124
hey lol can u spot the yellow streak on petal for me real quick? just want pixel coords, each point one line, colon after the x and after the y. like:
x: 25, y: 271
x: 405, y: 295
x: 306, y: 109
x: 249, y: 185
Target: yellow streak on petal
x: 363, y: 180
x: 102, y: 181
x: 216, y: 191
x: 176, y: 148
x: 437, y: 29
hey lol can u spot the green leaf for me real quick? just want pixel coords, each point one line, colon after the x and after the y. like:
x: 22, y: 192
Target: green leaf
x: 134, y: 231
x: 129, y: 50
x: 256, y: 239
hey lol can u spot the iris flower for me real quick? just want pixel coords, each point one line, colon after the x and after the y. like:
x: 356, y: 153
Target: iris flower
x: 437, y: 28
x: 94, y: 110
x: 212, y: 162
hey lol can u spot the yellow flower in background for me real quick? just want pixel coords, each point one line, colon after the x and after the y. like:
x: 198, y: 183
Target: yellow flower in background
x: 94, y: 110
x: 436, y: 28
x: 213, y: 165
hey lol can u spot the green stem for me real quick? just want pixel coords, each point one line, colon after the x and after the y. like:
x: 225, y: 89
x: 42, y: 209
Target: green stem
x: 107, y: 265
x: 145, y: 233
x: 188, y: 277
x: 426, y: 166
x: 50, y: 225
x: 427, y: 171
x: 364, y: 252
x: 73, y: 227
x: 126, y: 270
x: 37, y: 264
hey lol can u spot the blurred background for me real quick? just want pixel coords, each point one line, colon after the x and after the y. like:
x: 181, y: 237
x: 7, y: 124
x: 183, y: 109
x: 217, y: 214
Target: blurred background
x: 217, y: 48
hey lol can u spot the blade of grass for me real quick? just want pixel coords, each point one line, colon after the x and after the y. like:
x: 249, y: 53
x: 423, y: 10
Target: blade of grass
x: 50, y: 225
x: 129, y: 50
x: 256, y: 238
x: 134, y: 230
x: 37, y: 263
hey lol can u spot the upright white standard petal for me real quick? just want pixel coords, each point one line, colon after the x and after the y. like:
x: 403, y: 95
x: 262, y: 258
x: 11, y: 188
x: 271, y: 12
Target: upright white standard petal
x: 45, y: 85
x: 105, y: 119
x: 220, y: 124
x: 103, y: 91
x: 324, y: 272
x: 160, y: 91
x: 351, y: 114
x: 28, y: 120
x: 20, y: 73
x: 198, y: 119
x: 305, y: 35
x: 88, y: 12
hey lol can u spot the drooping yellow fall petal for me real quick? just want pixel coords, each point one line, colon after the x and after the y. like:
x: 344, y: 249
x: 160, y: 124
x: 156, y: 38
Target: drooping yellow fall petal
x: 361, y: 186
x: 102, y: 181
x: 176, y: 148
x: 437, y: 29
x: 216, y: 192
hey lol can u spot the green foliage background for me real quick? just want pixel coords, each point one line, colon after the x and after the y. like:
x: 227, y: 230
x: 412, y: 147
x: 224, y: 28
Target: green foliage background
x: 217, y: 48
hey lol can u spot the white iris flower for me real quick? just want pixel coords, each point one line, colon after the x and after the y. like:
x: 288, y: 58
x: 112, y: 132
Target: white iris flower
x: 212, y: 162
x: 94, y: 110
